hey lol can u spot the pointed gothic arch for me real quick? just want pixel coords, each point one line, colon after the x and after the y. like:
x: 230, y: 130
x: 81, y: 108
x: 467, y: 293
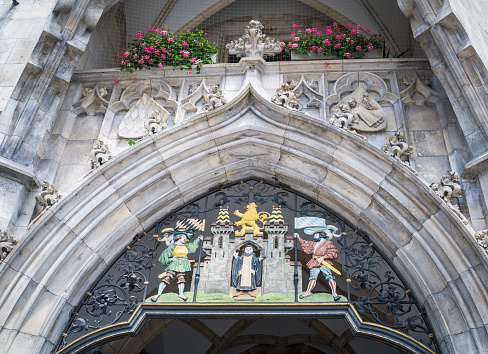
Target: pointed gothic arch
x: 73, y: 242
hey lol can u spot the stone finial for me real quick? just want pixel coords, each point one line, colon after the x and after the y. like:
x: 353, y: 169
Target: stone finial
x: 7, y: 243
x: 214, y: 98
x: 285, y: 97
x: 398, y: 148
x: 449, y: 188
x: 99, y: 154
x: 254, y: 44
x: 155, y: 123
x: 482, y: 238
x: 48, y: 196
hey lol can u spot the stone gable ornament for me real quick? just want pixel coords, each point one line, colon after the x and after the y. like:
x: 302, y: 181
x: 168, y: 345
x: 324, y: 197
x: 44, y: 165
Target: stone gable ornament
x: 93, y: 102
x: 7, y: 243
x: 99, y: 154
x: 367, y: 113
x: 254, y: 44
x: 285, y: 97
x: 418, y: 92
x: 449, y: 188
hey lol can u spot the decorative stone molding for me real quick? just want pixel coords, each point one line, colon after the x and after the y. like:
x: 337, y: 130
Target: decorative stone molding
x: 418, y: 92
x: 482, y: 238
x: 398, y: 148
x: 99, y: 154
x: 285, y: 97
x: 48, y: 196
x: 213, y: 98
x: 449, y: 188
x: 7, y: 243
x: 93, y: 101
x: 155, y: 123
x: 254, y: 44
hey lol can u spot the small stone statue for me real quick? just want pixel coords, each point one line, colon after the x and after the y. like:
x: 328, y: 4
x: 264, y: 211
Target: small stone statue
x: 214, y: 98
x: 155, y: 123
x: 344, y: 119
x: 254, y: 44
x: 482, y: 238
x: 398, y: 148
x: 99, y: 154
x: 48, y: 196
x: 449, y: 188
x: 7, y: 243
x: 285, y: 96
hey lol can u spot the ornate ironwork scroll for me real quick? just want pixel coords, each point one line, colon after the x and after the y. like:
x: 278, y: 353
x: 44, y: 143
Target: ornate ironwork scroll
x: 366, y: 279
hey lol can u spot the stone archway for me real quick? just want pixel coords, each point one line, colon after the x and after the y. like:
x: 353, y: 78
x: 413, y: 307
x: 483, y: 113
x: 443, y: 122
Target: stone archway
x: 72, y: 243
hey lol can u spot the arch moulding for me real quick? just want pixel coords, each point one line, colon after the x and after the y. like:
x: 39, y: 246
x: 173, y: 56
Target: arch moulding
x: 70, y: 246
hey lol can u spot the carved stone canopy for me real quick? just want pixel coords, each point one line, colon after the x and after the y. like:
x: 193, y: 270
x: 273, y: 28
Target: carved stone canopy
x: 254, y: 44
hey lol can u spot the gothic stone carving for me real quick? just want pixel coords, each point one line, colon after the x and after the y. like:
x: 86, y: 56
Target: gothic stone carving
x: 155, y: 123
x: 398, y: 148
x: 285, y: 96
x: 418, y: 92
x: 482, y: 238
x: 213, y: 98
x: 343, y: 119
x: 449, y: 188
x: 48, y: 196
x: 99, y: 154
x: 7, y: 243
x: 368, y: 114
x: 254, y: 43
x: 93, y: 101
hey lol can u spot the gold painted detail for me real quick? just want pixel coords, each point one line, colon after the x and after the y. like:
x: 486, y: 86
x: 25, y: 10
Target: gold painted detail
x: 249, y: 218
x: 223, y: 217
x: 276, y: 216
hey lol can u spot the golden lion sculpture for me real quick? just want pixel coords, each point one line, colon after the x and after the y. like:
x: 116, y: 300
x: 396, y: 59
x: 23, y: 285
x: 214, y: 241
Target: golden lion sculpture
x: 249, y: 219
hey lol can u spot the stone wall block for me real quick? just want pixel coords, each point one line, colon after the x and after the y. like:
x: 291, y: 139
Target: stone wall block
x: 429, y: 143
x: 174, y: 151
x: 447, y: 312
x: 469, y: 298
x: 68, y: 176
x: 338, y: 204
x: 24, y: 343
x: 310, y: 144
x: 86, y: 128
x: 103, y: 236
x: 308, y: 166
x: 16, y: 282
x: 381, y: 220
x: 200, y: 163
x: 432, y: 168
x: 422, y: 118
x: 314, y: 127
x: 7, y: 46
x: 250, y: 148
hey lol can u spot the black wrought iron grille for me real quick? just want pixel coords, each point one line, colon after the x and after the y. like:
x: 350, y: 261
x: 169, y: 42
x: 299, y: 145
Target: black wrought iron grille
x: 368, y: 281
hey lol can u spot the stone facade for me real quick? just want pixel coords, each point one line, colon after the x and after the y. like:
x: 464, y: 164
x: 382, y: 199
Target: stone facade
x: 51, y: 117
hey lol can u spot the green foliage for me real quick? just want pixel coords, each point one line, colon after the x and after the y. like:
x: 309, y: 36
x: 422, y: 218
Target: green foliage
x: 131, y: 142
x: 158, y: 48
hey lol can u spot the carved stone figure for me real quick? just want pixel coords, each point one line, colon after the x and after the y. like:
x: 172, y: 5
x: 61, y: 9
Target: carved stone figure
x: 285, y: 96
x: 482, y: 238
x: 398, y: 148
x: 344, y: 119
x: 249, y: 219
x: 155, y: 123
x: 214, y: 98
x: 99, y: 154
x: 7, y: 243
x: 48, y: 196
x: 368, y: 114
x: 449, y: 188
x: 246, y: 272
x: 254, y: 43
x: 175, y: 257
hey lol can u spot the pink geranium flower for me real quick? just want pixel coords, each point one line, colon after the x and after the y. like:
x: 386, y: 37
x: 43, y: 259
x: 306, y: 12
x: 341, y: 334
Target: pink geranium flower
x: 359, y: 48
x: 171, y: 39
x: 337, y: 46
x: 192, y: 60
x: 335, y: 24
x: 294, y: 25
x: 126, y: 54
x: 348, y: 55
